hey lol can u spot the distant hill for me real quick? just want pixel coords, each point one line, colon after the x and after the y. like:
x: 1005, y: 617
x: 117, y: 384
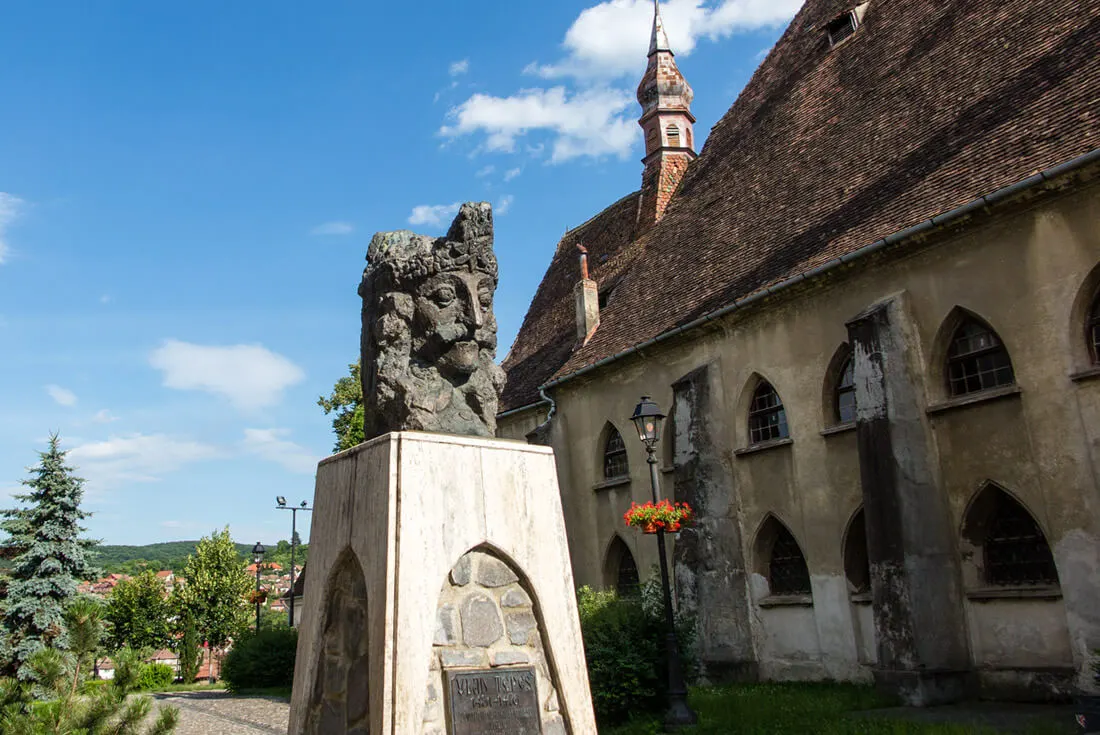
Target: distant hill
x: 130, y: 559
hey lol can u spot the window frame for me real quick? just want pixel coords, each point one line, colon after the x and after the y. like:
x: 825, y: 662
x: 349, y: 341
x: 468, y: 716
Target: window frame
x: 970, y: 361
x: 761, y: 429
x: 1092, y: 330
x: 842, y: 388
x: 1011, y: 570
x: 613, y: 455
x: 795, y: 577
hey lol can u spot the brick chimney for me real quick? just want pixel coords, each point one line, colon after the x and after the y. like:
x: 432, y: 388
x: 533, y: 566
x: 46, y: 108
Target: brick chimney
x: 587, y: 298
x: 667, y: 122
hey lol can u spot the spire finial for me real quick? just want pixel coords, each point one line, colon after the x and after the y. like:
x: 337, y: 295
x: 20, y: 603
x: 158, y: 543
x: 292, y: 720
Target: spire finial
x: 658, y: 41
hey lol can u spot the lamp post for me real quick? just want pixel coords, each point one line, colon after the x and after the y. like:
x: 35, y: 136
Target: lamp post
x: 281, y: 505
x: 258, y: 552
x: 647, y: 420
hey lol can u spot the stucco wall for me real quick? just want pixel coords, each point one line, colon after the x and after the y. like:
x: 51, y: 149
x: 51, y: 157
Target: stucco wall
x: 1029, y: 272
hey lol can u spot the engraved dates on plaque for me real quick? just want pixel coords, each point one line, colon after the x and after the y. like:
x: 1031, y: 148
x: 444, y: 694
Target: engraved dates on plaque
x: 493, y: 702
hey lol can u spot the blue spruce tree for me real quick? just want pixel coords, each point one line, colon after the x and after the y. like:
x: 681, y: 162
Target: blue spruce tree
x: 44, y: 537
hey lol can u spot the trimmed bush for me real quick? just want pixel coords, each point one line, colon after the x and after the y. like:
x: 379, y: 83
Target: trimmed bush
x: 261, y: 660
x: 624, y: 642
x: 155, y: 677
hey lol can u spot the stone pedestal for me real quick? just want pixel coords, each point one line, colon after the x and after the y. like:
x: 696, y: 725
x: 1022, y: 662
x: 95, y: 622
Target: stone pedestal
x: 440, y: 595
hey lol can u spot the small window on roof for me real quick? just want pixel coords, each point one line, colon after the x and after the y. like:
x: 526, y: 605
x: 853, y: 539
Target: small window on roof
x: 842, y: 27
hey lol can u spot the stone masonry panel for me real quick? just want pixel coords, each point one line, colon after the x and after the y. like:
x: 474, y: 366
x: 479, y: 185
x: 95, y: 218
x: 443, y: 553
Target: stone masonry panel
x: 486, y: 620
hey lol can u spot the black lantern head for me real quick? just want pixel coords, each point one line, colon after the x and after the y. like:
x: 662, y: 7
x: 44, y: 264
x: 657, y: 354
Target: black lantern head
x: 258, y: 552
x: 281, y: 501
x: 647, y: 420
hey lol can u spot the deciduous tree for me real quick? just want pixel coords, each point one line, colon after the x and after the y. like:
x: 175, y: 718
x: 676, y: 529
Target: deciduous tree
x: 215, y: 590
x: 347, y: 402
x: 138, y: 614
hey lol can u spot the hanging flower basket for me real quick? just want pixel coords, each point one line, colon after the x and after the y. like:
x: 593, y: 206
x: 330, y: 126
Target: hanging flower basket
x: 662, y: 516
x: 257, y: 597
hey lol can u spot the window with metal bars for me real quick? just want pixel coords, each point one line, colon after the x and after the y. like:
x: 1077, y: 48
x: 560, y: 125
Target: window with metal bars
x: 767, y: 417
x: 845, y: 402
x: 627, y: 582
x: 787, y: 571
x: 614, y: 456
x: 1094, y: 330
x: 1015, y: 551
x: 977, y: 360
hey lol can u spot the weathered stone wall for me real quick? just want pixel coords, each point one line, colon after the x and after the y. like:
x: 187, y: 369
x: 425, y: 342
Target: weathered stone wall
x: 1031, y: 270
x: 487, y: 620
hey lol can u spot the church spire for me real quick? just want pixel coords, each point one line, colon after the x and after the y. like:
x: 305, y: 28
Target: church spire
x: 665, y: 97
x: 658, y: 41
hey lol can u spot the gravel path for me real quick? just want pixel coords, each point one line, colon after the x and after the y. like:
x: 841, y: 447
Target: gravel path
x: 220, y: 713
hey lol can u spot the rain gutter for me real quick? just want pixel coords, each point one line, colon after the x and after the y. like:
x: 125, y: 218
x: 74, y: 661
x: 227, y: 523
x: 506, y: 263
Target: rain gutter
x: 925, y: 226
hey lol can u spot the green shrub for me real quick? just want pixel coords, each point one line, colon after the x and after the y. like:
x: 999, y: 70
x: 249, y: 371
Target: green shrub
x: 261, y: 660
x: 155, y: 677
x: 624, y: 642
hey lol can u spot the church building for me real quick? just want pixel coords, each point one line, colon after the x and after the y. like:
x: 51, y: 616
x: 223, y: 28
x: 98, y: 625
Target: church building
x: 870, y: 305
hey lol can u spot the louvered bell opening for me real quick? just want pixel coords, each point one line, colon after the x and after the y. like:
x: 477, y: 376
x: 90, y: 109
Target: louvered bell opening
x: 841, y: 28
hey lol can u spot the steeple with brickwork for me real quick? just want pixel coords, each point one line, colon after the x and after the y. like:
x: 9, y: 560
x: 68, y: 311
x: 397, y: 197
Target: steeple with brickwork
x: 665, y: 97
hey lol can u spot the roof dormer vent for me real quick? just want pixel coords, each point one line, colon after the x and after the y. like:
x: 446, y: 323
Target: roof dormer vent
x: 843, y: 26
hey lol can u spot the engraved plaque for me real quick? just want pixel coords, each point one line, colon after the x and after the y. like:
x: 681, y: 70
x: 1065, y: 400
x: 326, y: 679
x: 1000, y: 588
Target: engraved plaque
x: 493, y: 702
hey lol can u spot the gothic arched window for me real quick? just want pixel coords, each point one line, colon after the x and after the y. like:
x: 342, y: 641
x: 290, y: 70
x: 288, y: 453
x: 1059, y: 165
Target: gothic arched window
x: 857, y: 566
x: 977, y: 360
x: 767, y: 417
x: 845, y: 394
x: 1094, y: 330
x: 614, y: 455
x: 1015, y: 551
x: 787, y: 571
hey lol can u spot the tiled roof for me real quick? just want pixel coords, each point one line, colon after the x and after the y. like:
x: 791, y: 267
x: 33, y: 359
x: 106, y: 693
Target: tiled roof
x: 549, y: 332
x: 927, y: 106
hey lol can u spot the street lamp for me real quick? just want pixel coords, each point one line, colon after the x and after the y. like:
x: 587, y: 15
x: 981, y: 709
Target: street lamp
x: 647, y: 420
x: 281, y: 505
x: 258, y: 552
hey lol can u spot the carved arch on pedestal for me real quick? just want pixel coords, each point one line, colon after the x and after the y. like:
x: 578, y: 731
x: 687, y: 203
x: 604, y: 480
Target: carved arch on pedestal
x: 340, y: 698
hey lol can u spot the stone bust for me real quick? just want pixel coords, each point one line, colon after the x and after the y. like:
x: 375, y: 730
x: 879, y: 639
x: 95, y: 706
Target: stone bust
x: 429, y: 335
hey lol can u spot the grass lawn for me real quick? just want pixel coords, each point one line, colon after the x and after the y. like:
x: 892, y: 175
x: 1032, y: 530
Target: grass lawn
x: 796, y: 708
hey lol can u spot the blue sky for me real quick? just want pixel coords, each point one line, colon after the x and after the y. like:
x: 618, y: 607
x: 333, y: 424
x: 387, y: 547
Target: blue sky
x: 187, y: 191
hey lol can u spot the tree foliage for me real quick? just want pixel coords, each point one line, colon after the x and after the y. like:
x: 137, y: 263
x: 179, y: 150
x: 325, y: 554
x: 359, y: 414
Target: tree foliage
x: 50, y: 557
x: 134, y: 560
x: 264, y: 659
x: 214, y: 594
x: 138, y: 613
x: 189, y: 649
x: 347, y: 402
x: 66, y: 710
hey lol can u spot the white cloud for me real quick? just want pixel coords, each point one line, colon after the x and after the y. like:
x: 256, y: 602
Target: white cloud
x: 10, y: 207
x: 105, y: 298
x: 250, y: 376
x: 103, y: 416
x: 333, y: 228
x: 589, y: 123
x: 485, y: 171
x: 503, y: 205
x: 433, y: 214
x: 458, y: 68
x: 611, y: 39
x: 136, y: 458
x: 512, y: 173
x: 62, y: 396
x: 273, y: 446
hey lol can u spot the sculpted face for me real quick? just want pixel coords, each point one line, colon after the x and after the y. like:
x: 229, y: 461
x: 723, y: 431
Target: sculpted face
x: 454, y: 320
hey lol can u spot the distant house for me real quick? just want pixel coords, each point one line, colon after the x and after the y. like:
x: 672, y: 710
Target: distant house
x: 264, y: 567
